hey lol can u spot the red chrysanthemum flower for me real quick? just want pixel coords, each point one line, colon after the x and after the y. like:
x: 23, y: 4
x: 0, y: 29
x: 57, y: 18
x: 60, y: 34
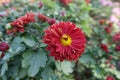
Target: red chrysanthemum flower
x: 117, y: 47
x: 102, y: 21
x: 110, y: 24
x: 52, y: 21
x: 65, y: 41
x: 108, y: 30
x: 110, y: 78
x: 27, y: 18
x: 104, y: 47
x: 4, y: 46
x: 116, y: 37
x: 110, y: 57
x: 18, y: 24
x: 65, y: 2
x: 43, y: 17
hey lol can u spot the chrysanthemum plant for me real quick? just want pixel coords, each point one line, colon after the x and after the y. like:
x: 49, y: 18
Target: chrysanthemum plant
x: 55, y: 40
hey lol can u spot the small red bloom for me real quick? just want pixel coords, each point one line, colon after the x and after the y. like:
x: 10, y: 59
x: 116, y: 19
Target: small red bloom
x: 110, y: 78
x: 18, y: 24
x: 116, y: 37
x: 27, y: 18
x: 65, y: 41
x: 107, y: 62
x: 117, y: 47
x: 108, y: 29
x: 104, y: 47
x: 112, y: 66
x: 110, y: 24
x: 43, y: 17
x: 102, y: 21
x: 65, y: 2
x: 4, y: 46
x: 52, y: 21
x: 40, y: 4
x: 110, y: 57
x: 87, y: 2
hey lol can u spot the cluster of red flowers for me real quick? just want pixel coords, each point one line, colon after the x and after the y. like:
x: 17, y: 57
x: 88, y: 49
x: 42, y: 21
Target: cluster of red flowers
x: 65, y: 41
x: 65, y: 2
x: 44, y: 18
x: 110, y: 78
x: 3, y: 47
x: 18, y: 24
x: 117, y: 47
x: 104, y: 47
x: 102, y: 21
x: 108, y: 27
x: 108, y: 61
x: 116, y: 39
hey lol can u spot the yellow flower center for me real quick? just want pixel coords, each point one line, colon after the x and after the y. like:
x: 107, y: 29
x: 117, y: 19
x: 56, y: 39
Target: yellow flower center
x: 66, y: 40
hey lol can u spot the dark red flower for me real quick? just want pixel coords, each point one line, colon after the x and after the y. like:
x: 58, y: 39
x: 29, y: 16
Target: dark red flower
x: 117, y: 47
x: 65, y: 2
x: 112, y: 66
x: 52, y: 21
x: 4, y: 46
x: 65, y: 41
x: 110, y: 78
x: 104, y: 47
x: 110, y: 24
x: 102, y: 21
x: 108, y: 29
x: 110, y: 57
x: 116, y: 37
x: 107, y: 62
x: 40, y: 4
x: 43, y: 17
x: 28, y: 18
x: 18, y: 24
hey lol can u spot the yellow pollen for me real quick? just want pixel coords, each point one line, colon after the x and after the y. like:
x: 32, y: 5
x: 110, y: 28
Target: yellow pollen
x: 66, y: 40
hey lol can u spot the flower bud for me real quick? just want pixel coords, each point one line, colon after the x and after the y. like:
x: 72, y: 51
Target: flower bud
x: 110, y: 78
x: 4, y: 46
x: 8, y: 26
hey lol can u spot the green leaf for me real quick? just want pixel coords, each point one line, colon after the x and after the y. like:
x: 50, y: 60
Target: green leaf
x: 86, y: 28
x: 113, y: 71
x: 29, y: 41
x: 8, y: 56
x: 47, y: 74
x: 17, y: 40
x: 22, y: 73
x: 34, y: 60
x: 87, y: 59
x: 66, y: 67
x: 16, y: 46
x: 27, y: 57
x: 98, y: 72
x: 4, y: 68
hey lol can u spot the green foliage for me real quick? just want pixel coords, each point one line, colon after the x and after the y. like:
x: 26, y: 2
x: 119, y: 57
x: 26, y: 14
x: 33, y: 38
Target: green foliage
x: 27, y: 57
